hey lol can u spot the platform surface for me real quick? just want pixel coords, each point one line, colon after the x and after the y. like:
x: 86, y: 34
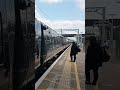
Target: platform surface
x: 65, y: 75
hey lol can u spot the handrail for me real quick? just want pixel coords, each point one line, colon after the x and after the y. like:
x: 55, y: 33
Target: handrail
x: 1, y: 32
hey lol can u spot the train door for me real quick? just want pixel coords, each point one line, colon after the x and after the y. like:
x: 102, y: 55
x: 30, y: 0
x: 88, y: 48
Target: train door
x: 4, y: 75
x: 43, y: 44
x: 16, y: 44
x: 24, y: 45
x: 5, y: 44
x: 7, y: 21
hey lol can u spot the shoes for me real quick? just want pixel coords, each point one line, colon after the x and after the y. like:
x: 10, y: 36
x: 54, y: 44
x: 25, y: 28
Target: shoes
x: 94, y: 83
x: 71, y: 61
x: 87, y: 82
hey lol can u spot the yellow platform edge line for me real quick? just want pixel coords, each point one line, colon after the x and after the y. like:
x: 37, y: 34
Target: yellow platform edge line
x: 96, y: 87
x: 77, y: 78
x: 51, y: 89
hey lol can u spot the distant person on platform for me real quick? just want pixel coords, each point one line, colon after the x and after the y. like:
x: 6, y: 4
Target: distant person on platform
x: 74, y: 50
x: 93, y: 60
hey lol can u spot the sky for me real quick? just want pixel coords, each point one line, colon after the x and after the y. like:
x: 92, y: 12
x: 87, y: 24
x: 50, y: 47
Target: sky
x: 61, y: 14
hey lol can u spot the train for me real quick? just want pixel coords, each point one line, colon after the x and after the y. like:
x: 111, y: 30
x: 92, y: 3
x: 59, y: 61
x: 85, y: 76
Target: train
x: 25, y: 44
x: 17, y: 39
x: 48, y: 43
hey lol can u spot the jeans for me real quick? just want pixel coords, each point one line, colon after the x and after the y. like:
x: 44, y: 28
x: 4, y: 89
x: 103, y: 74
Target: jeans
x: 95, y: 73
x: 72, y: 57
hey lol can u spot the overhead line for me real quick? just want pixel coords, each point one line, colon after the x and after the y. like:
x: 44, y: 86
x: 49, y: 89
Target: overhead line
x: 42, y: 11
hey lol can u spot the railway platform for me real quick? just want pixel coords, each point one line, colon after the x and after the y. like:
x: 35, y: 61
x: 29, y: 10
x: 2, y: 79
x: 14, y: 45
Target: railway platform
x: 64, y: 74
x: 109, y: 75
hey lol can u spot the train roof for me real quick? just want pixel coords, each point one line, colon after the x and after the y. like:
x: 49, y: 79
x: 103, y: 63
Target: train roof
x: 51, y: 29
x: 47, y: 26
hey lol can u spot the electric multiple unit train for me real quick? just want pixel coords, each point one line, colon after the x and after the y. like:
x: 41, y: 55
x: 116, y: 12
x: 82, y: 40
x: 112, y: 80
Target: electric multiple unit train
x: 17, y: 42
x: 25, y: 44
x: 48, y: 43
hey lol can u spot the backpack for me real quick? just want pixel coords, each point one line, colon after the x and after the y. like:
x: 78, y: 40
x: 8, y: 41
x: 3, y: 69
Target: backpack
x: 105, y: 56
x: 78, y: 49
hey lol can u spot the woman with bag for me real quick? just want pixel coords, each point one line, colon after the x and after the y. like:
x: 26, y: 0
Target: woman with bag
x: 93, y: 60
x: 74, y: 50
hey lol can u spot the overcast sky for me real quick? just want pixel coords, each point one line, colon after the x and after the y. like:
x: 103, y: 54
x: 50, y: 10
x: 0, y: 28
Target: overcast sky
x: 61, y: 14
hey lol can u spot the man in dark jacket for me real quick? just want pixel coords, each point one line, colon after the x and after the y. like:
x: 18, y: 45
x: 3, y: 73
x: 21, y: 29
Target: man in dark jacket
x: 93, y: 60
x: 74, y: 51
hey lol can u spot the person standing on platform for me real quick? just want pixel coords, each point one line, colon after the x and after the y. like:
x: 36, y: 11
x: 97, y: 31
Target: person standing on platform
x: 74, y: 50
x: 93, y: 60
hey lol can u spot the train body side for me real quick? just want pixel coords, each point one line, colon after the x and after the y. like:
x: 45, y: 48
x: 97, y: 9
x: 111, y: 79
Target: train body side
x: 16, y: 44
x: 51, y: 43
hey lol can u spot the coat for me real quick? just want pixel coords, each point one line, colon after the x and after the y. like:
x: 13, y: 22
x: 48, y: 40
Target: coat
x: 74, y: 50
x: 93, y: 56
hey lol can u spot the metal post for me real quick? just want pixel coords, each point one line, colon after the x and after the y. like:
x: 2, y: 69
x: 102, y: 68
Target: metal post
x: 61, y: 31
x: 11, y: 56
x: 111, y: 39
x: 78, y: 37
x: 81, y: 41
x: 103, y: 26
x: 111, y: 33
